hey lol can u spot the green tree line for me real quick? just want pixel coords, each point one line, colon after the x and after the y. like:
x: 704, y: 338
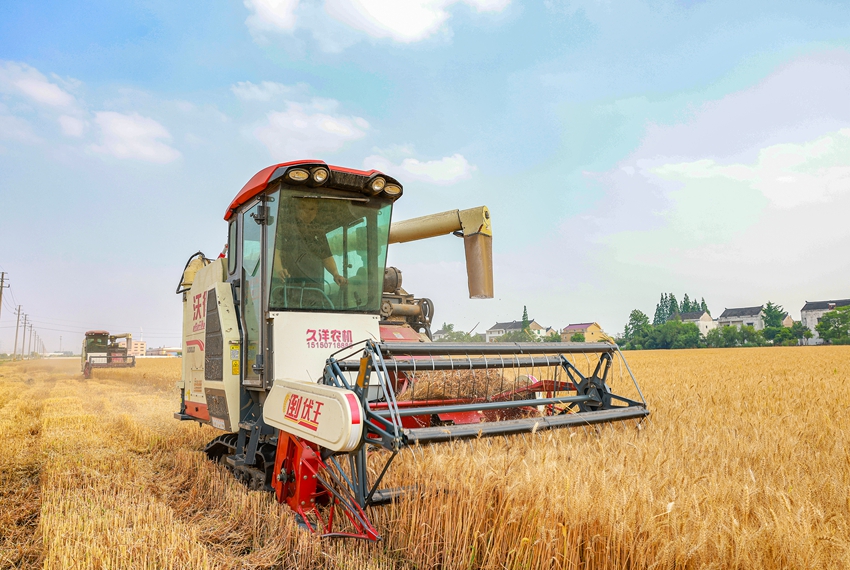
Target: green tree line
x: 668, y: 331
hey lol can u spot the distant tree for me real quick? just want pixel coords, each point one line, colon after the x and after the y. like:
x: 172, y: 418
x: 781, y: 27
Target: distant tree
x: 660, y: 311
x: 800, y: 331
x: 688, y: 336
x: 834, y: 326
x: 770, y: 333
x: 554, y: 336
x: 453, y: 335
x: 673, y: 334
x: 704, y: 307
x: 577, y: 337
x: 685, y: 307
x: 672, y: 307
x: 751, y: 337
x: 637, y: 325
x: 773, y: 315
x: 714, y: 338
x: 518, y: 336
x: 783, y: 337
x: 526, y: 325
x: 731, y: 336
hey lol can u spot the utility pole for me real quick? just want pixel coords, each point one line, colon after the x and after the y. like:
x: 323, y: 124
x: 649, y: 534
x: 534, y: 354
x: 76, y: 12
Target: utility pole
x: 2, y: 286
x: 24, y: 336
x: 29, y: 349
x: 17, y: 324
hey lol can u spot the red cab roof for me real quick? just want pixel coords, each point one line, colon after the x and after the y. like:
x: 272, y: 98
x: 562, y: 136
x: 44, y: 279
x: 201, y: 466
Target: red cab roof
x: 260, y: 181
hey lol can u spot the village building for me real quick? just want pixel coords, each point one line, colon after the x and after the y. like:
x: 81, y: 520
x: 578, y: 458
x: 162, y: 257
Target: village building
x: 440, y: 335
x: 812, y: 312
x: 165, y: 351
x: 701, y: 319
x: 136, y: 347
x: 743, y: 316
x: 499, y: 329
x: 592, y: 332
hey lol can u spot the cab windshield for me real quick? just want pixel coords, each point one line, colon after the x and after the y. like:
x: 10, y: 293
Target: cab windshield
x: 97, y: 343
x: 329, y: 253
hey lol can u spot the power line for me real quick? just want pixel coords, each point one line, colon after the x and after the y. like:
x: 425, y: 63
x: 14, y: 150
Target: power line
x: 83, y: 331
x: 82, y: 326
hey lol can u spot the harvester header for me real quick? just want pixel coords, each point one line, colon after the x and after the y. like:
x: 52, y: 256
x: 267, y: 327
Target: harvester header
x: 304, y: 349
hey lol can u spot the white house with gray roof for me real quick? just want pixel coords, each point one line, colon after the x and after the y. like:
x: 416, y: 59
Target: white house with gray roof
x: 812, y: 312
x: 701, y: 319
x: 499, y: 329
x: 743, y: 316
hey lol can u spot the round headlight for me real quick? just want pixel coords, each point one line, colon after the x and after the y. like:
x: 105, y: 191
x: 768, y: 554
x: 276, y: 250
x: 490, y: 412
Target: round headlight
x: 378, y: 184
x: 298, y: 175
x: 392, y: 190
x: 320, y: 175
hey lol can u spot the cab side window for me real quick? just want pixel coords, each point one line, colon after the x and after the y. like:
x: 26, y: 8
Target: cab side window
x: 231, y: 247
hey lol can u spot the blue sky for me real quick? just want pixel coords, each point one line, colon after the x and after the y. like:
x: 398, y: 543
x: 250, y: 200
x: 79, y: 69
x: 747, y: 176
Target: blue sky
x: 624, y: 148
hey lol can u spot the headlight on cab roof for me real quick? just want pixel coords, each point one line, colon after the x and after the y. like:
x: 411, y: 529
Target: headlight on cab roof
x: 320, y: 175
x: 378, y: 184
x: 298, y: 175
x: 392, y: 190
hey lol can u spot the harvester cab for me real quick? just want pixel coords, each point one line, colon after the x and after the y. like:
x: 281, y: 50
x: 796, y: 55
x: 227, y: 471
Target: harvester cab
x: 102, y: 350
x: 305, y: 350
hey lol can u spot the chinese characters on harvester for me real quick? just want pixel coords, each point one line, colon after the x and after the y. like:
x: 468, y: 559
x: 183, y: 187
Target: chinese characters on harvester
x: 199, y: 306
x: 328, y: 338
x: 303, y: 411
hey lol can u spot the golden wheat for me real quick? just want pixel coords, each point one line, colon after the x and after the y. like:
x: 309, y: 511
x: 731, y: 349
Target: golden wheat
x: 744, y: 464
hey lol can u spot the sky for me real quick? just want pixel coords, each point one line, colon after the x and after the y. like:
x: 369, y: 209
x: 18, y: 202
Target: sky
x: 624, y: 148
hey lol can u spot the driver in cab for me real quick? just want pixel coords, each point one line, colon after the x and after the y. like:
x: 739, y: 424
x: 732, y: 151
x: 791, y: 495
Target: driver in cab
x: 305, y: 252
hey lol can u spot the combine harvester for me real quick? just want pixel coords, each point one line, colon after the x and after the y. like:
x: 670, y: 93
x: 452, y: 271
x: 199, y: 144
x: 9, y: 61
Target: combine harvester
x: 101, y: 350
x: 306, y: 351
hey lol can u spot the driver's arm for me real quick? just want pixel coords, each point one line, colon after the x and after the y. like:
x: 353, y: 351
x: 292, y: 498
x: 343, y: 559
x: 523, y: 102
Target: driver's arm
x: 330, y: 265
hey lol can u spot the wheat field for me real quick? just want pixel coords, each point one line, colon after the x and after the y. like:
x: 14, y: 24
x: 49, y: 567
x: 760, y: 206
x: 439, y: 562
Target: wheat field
x: 743, y: 464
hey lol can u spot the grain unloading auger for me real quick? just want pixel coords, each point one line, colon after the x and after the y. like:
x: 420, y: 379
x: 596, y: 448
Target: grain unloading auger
x: 306, y: 351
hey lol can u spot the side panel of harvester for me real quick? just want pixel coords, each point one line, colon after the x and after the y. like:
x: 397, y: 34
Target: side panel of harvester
x: 211, y: 350
x: 328, y: 416
x: 302, y: 341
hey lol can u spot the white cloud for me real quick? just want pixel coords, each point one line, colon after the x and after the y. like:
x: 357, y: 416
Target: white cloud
x: 16, y: 129
x: 303, y: 130
x: 265, y: 91
x: 21, y: 79
x: 445, y: 171
x: 401, y: 21
x: 133, y: 136
x: 787, y: 174
x: 271, y: 15
x: 72, y: 126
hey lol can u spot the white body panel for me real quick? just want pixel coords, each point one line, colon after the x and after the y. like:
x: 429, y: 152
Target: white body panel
x: 229, y: 382
x: 194, y: 329
x: 304, y: 341
x: 322, y: 414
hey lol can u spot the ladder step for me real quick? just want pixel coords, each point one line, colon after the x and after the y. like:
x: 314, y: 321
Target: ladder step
x: 235, y: 460
x: 524, y: 425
